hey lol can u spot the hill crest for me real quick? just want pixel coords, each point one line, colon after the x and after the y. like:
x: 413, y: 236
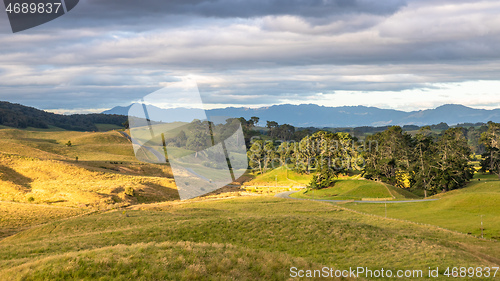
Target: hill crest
x: 21, y: 117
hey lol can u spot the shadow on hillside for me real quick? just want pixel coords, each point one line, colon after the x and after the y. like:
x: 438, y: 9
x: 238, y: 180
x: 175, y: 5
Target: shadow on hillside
x: 39, y: 140
x: 153, y: 192
x: 9, y: 174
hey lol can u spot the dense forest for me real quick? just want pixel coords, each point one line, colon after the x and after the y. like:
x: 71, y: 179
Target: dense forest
x: 19, y: 116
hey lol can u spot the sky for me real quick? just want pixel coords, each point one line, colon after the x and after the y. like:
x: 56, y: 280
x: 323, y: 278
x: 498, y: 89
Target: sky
x: 405, y: 55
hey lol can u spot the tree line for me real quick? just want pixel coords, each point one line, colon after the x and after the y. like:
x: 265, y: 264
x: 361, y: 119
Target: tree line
x: 426, y: 162
x: 19, y: 116
x: 423, y: 160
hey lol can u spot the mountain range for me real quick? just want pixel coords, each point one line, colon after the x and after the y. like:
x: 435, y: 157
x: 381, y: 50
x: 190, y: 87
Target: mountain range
x: 310, y: 115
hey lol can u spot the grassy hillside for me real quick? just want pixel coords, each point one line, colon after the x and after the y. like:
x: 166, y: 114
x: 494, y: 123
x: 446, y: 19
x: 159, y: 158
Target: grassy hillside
x: 459, y: 210
x: 281, y: 176
x: 88, y: 146
x: 15, y: 217
x: 349, y: 189
x: 243, y: 239
x: 20, y: 116
x: 400, y: 193
x: 38, y: 167
x: 65, y: 219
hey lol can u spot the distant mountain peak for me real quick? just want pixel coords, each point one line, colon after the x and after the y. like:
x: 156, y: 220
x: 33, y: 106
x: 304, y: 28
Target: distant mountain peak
x: 452, y: 105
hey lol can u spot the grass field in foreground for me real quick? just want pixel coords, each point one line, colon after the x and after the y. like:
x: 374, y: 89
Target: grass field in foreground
x: 459, y: 210
x: 244, y: 238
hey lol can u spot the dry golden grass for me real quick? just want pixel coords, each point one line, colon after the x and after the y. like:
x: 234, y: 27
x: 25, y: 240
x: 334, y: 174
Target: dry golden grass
x: 18, y: 216
x: 88, y: 146
x: 53, y: 181
x: 38, y: 167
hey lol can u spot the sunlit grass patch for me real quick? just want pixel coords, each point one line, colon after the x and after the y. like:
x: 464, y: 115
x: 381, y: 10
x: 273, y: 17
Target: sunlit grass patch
x: 39, y: 167
x: 347, y: 190
x: 17, y: 216
x: 281, y: 176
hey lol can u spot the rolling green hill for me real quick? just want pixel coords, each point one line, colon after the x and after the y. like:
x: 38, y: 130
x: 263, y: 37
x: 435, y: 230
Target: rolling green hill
x: 244, y: 239
x: 66, y: 219
x: 356, y: 189
x: 460, y: 210
x: 282, y: 177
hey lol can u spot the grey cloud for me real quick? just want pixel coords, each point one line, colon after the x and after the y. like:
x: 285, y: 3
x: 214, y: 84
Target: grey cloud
x: 241, y: 8
x: 147, y: 15
x: 214, y: 43
x: 106, y: 53
x: 74, y: 97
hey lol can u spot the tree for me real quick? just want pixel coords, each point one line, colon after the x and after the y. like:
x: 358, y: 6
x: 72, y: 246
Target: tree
x: 254, y: 120
x: 306, y: 154
x: 269, y: 155
x: 391, y: 158
x: 345, y: 149
x: 250, y: 123
x: 181, y: 139
x: 452, y: 163
x: 474, y: 139
x: 421, y: 162
x: 323, y: 178
x: 68, y: 144
x: 256, y: 155
x: 285, y: 132
x: 285, y: 152
x: 424, y: 150
x: 272, y: 126
x: 330, y: 149
x: 330, y: 153
x: 247, y: 127
x: 198, y: 141
x: 126, y: 124
x: 491, y: 141
x: 441, y: 126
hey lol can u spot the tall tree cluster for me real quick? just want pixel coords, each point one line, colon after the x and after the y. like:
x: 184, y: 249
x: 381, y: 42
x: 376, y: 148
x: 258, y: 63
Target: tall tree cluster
x: 491, y: 157
x: 420, y: 162
x: 321, y: 152
x: 284, y: 132
x: 423, y: 160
